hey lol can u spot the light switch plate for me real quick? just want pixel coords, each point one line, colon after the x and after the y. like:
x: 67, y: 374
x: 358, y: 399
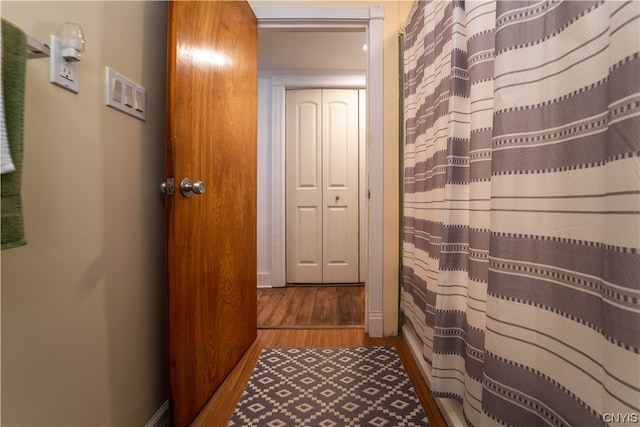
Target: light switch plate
x: 125, y: 95
x: 61, y: 72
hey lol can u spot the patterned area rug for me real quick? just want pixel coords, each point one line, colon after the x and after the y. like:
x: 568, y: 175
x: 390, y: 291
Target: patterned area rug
x: 345, y: 386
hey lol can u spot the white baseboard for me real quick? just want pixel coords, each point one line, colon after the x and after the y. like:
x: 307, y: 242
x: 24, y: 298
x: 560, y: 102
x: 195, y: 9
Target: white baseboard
x: 375, y: 324
x: 414, y: 345
x: 161, y: 417
x: 264, y: 280
x: 450, y: 409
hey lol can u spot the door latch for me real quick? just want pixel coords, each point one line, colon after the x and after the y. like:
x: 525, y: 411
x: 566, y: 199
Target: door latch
x: 167, y: 188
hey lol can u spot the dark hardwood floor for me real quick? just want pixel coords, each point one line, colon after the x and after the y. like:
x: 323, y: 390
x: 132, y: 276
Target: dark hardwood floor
x: 311, y: 306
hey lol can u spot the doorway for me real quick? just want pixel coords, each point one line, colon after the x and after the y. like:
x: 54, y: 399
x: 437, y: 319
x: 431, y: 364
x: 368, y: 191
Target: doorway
x: 321, y: 18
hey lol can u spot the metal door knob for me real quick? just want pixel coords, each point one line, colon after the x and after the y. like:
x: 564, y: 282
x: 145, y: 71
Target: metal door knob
x: 198, y: 187
x: 189, y: 187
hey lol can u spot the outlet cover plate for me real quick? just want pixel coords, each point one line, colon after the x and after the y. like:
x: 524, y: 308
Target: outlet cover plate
x: 62, y: 73
x: 125, y: 95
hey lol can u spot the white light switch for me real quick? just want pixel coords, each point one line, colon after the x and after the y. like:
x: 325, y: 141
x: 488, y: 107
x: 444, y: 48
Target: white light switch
x: 125, y: 95
x: 128, y: 98
x: 117, y: 90
x: 139, y: 100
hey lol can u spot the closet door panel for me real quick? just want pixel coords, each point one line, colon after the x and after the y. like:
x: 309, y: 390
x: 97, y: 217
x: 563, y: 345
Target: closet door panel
x: 340, y: 176
x: 304, y: 186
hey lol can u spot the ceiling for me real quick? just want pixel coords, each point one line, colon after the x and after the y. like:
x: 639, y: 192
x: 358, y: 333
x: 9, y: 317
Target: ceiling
x: 304, y: 50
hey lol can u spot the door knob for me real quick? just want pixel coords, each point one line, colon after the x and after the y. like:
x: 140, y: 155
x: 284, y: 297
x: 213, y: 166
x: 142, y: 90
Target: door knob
x: 189, y: 187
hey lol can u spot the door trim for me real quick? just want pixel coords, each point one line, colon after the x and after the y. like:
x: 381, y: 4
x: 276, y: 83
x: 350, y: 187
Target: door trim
x: 369, y: 18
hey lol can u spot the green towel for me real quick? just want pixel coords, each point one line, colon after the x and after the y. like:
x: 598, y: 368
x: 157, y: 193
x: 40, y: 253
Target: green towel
x: 14, y: 64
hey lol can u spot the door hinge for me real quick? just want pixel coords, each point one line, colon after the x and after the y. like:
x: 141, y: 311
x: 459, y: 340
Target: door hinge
x: 167, y: 188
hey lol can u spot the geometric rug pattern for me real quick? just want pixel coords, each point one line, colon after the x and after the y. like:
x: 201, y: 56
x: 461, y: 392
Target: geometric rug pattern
x: 329, y: 387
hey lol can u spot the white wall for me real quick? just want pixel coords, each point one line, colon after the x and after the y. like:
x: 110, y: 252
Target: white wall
x: 83, y: 304
x: 265, y: 237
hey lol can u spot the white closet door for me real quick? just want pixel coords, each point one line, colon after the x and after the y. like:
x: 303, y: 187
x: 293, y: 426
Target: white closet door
x: 322, y: 172
x: 340, y: 177
x: 303, y: 159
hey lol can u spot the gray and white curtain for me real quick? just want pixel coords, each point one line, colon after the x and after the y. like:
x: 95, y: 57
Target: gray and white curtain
x: 521, y: 272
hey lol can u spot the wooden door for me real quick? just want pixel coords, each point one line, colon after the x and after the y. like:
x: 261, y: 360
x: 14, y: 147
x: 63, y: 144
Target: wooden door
x: 322, y: 138
x: 211, y: 137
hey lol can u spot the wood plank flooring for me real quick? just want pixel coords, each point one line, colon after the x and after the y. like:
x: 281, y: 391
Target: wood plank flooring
x: 322, y: 306
x: 222, y: 404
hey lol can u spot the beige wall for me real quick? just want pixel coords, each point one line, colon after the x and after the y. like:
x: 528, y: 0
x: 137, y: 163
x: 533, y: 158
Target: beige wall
x: 390, y: 214
x: 83, y: 304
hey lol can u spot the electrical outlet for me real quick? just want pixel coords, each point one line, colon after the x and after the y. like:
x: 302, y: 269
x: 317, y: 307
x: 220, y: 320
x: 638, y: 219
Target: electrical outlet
x: 62, y: 73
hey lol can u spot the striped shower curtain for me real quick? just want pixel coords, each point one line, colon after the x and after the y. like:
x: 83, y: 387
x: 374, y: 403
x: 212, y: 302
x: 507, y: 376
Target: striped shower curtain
x: 521, y: 272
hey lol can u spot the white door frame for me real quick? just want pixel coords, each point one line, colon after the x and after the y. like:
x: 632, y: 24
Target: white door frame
x: 369, y: 18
